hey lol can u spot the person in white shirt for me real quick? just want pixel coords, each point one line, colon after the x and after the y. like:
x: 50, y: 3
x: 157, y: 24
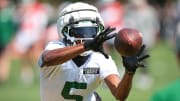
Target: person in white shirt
x: 73, y: 67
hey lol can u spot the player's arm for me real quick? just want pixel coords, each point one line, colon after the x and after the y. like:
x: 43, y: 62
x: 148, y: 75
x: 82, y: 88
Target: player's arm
x: 61, y: 55
x: 120, y: 88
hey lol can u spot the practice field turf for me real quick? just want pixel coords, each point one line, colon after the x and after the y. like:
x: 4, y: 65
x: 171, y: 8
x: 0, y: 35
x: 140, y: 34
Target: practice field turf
x: 162, y: 65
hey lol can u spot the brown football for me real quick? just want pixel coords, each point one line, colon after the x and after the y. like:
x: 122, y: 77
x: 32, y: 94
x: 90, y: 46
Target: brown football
x: 128, y: 41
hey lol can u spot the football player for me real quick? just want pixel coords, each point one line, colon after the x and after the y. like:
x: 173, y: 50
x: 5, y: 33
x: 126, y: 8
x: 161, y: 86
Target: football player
x: 72, y: 68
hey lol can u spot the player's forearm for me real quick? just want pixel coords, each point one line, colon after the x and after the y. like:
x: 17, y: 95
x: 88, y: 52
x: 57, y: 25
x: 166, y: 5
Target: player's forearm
x: 124, y: 87
x: 61, y: 55
x: 120, y: 88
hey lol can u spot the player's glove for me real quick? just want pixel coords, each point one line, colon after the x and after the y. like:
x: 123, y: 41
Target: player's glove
x: 131, y: 63
x: 97, y: 43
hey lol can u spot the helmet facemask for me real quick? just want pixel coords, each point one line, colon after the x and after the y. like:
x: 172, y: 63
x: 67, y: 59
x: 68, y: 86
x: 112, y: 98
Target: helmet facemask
x: 78, y: 32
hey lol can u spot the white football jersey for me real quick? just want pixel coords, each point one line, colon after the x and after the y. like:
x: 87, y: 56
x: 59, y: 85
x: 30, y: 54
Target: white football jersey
x: 68, y: 82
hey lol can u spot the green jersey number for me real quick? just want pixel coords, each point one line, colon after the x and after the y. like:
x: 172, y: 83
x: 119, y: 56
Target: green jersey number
x: 67, y: 88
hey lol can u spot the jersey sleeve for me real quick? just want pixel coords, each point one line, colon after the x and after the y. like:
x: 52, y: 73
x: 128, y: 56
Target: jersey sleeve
x: 54, y: 45
x: 50, y: 46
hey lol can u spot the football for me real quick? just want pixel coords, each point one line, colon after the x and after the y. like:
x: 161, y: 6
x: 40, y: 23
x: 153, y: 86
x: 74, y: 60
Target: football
x: 128, y: 41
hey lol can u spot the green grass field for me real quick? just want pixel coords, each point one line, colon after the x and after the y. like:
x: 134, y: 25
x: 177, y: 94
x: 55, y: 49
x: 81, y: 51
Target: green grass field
x: 162, y: 66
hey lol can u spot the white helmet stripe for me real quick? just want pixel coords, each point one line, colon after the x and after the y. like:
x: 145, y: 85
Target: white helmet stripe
x: 78, y: 11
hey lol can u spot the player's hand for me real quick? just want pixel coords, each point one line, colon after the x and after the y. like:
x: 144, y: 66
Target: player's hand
x: 133, y: 62
x: 97, y: 43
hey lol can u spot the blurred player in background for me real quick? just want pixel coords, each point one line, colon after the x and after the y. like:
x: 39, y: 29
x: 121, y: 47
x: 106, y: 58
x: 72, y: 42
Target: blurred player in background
x: 168, y: 20
x: 8, y: 27
x: 28, y: 43
x: 73, y: 67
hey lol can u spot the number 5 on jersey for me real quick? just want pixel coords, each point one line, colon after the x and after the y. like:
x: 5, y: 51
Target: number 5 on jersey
x: 67, y: 88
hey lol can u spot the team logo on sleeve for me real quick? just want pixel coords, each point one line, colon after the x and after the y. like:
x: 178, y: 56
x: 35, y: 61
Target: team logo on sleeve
x: 91, y: 70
